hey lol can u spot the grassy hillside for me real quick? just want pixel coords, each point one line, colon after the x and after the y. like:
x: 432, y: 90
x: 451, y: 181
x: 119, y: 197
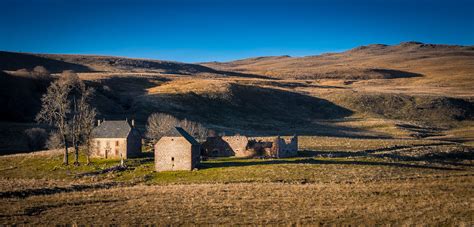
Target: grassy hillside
x: 406, y: 90
x: 444, y: 65
x: 20, y: 96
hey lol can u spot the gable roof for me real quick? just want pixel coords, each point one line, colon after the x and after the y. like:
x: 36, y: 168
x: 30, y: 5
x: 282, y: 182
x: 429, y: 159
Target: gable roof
x: 112, y: 129
x: 180, y: 132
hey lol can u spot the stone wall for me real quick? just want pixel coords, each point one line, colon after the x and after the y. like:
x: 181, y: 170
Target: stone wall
x: 225, y: 146
x: 275, y: 146
x: 114, y: 147
x: 216, y: 147
x: 242, y: 146
x: 109, y: 147
x: 176, y: 153
x: 238, y: 144
x: 286, y: 147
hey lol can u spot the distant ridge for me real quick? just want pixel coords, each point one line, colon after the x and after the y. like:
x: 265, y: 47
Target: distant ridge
x: 430, y: 62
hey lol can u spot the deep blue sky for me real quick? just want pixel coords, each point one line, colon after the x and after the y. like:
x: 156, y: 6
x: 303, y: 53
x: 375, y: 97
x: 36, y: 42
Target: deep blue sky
x: 205, y: 30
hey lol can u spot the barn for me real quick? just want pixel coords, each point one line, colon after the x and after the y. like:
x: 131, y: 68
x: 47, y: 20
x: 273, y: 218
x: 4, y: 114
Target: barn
x: 177, y: 150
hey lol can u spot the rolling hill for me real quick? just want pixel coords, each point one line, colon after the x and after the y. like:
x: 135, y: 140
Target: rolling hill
x: 410, y: 62
x: 405, y: 90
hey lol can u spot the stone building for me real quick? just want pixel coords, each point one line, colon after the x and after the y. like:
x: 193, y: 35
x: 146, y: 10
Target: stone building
x: 283, y: 147
x: 177, y: 150
x: 242, y: 146
x: 116, y: 139
x: 225, y: 146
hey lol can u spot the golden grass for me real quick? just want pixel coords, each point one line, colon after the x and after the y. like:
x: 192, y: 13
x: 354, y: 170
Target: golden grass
x: 353, y: 144
x: 357, y: 189
x: 185, y: 85
x: 428, y: 201
x: 445, y: 70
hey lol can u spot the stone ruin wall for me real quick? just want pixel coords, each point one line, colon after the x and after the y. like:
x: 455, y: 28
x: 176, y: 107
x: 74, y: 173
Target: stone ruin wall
x: 242, y: 146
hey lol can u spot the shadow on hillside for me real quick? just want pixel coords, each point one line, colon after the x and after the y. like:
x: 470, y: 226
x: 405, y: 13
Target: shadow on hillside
x: 392, y: 74
x: 318, y: 162
x: 255, y: 111
x: 244, y: 75
x: 440, y: 157
x: 20, y: 96
x: 55, y: 190
x: 15, y: 61
x: 170, y: 67
x: 115, y: 96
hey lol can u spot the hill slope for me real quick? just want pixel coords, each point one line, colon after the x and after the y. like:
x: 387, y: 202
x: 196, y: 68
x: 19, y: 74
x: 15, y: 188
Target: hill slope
x: 424, y: 63
x: 90, y: 63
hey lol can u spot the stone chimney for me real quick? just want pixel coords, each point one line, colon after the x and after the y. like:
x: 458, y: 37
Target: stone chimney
x: 133, y: 122
x: 98, y: 122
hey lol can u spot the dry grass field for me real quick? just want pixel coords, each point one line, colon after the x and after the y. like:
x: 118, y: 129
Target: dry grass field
x: 429, y: 201
x: 333, y: 181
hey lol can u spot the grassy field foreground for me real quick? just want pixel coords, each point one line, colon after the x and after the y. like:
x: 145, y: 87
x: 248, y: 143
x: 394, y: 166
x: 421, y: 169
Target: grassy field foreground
x: 335, y: 180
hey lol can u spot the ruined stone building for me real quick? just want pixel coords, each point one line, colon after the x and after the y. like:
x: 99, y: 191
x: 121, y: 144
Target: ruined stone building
x: 283, y: 147
x: 242, y: 146
x: 116, y: 139
x: 225, y: 146
x: 177, y: 150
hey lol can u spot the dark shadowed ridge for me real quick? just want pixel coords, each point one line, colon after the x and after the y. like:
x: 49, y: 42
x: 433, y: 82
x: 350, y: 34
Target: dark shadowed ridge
x: 15, y: 61
x: 57, y: 63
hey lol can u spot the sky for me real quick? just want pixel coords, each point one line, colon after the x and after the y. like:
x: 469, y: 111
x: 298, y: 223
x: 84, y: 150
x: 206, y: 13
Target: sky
x: 224, y: 30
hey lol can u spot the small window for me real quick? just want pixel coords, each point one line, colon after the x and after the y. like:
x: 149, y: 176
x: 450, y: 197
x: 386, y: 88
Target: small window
x: 172, y: 159
x: 117, y: 143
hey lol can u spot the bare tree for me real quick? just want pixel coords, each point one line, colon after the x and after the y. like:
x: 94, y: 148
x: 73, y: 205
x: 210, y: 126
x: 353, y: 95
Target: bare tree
x: 195, y: 129
x: 54, y: 141
x: 85, y: 121
x: 160, y: 123
x: 55, y: 109
x: 65, y: 106
x: 83, y: 116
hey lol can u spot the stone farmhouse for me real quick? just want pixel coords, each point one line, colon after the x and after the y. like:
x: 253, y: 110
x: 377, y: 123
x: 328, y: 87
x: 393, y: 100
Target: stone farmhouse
x: 242, y: 146
x: 177, y: 150
x: 116, y: 139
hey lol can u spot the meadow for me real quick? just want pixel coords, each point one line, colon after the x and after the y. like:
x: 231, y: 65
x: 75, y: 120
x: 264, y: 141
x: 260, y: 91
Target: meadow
x: 332, y: 181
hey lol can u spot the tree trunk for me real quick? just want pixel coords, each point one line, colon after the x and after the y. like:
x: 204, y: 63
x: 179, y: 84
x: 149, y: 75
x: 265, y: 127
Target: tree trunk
x: 76, y: 155
x: 66, y: 155
x: 88, y: 159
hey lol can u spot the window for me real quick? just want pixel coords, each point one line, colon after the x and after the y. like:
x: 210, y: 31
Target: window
x: 117, y: 143
x: 116, y: 152
x: 172, y: 159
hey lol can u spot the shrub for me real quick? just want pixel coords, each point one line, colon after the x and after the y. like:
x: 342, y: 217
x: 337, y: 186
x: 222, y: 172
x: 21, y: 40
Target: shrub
x: 54, y: 141
x: 36, y: 138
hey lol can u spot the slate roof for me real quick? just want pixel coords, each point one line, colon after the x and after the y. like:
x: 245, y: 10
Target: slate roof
x: 178, y: 132
x: 112, y: 129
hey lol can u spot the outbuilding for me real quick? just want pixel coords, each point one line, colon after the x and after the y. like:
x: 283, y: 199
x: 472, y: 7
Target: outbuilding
x: 177, y: 150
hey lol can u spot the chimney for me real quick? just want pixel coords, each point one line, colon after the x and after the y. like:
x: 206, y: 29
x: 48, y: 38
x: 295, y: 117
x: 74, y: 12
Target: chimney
x: 98, y: 122
x: 133, y: 123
